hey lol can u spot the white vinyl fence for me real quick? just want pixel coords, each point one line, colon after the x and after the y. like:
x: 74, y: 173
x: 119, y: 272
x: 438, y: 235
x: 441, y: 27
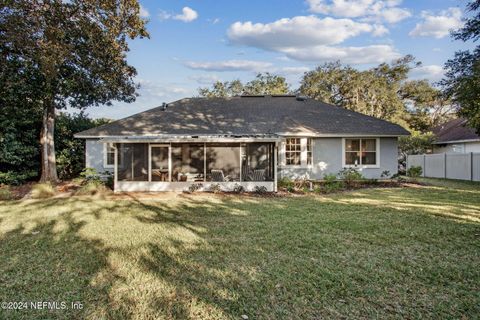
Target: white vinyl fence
x: 462, y: 166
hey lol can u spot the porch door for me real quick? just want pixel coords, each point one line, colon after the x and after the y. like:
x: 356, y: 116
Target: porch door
x: 159, y: 163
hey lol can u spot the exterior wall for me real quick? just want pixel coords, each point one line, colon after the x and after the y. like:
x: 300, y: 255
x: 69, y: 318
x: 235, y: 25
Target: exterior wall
x: 463, y: 147
x: 94, y: 155
x: 327, y: 157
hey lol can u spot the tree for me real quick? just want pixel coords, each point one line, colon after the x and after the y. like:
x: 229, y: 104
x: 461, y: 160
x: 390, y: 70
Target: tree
x: 222, y: 89
x: 426, y: 105
x: 266, y: 84
x: 74, y: 52
x: 263, y: 84
x: 345, y: 86
x: 416, y: 143
x: 69, y: 150
x: 383, y: 92
x: 462, y: 77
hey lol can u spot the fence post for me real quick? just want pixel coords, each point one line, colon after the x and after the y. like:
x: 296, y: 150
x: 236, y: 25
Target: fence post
x: 424, y: 166
x: 445, y: 165
x: 471, y: 166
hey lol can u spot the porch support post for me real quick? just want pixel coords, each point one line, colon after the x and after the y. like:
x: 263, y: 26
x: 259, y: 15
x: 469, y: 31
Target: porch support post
x: 115, y: 168
x: 275, y: 149
x: 204, y: 162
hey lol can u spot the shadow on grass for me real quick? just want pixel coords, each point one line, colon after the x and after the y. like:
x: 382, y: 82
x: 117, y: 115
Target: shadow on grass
x: 280, y: 258
x: 53, y: 263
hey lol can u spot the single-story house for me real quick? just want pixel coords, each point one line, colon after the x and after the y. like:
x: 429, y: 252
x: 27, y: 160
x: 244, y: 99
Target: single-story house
x: 455, y: 136
x: 247, y: 140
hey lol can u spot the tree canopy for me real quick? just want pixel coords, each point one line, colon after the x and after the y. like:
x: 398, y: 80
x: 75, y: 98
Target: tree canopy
x: 263, y: 84
x: 462, y: 77
x: 70, y: 53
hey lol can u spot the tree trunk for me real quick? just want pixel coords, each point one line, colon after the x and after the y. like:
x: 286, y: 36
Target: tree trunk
x: 49, y: 166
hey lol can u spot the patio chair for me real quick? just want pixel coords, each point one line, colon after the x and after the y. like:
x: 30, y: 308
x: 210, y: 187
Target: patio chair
x: 258, y: 175
x: 217, y: 175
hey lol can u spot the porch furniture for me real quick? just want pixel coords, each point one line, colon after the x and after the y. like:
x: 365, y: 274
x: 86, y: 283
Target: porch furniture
x: 217, y: 175
x: 258, y: 175
x: 159, y: 175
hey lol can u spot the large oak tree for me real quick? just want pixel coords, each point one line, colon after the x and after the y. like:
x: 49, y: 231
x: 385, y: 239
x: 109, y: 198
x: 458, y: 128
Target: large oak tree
x: 462, y: 77
x: 66, y: 54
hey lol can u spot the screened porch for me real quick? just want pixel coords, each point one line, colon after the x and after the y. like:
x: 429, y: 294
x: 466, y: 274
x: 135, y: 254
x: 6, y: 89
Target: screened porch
x: 174, y: 166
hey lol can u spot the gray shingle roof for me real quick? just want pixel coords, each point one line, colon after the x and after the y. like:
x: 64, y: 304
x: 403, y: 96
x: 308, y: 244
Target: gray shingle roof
x: 246, y: 116
x: 454, y: 130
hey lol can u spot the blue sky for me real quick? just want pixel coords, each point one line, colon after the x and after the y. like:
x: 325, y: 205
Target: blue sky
x: 193, y: 43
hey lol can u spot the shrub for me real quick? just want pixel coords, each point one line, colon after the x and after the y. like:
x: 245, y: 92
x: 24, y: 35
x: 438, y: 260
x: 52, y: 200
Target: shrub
x: 260, y: 189
x: 237, y: 188
x: 15, y: 178
x: 92, y: 188
x: 385, y: 174
x: 215, y: 188
x: 42, y: 190
x: 414, y: 172
x: 109, y: 181
x: 194, y: 187
x: 350, y: 176
x: 5, y: 193
x: 331, y: 184
x: 286, y: 183
x: 90, y: 174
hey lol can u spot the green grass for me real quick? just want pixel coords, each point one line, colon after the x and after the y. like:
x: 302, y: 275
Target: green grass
x: 377, y: 253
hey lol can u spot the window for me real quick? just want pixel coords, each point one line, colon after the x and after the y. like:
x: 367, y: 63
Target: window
x: 109, y: 155
x: 309, y: 151
x: 361, y: 152
x: 293, y: 151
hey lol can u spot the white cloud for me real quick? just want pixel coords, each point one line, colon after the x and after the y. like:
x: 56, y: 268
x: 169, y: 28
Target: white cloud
x: 309, y: 38
x: 431, y: 72
x: 380, y: 10
x: 350, y: 55
x: 438, y: 26
x: 379, y: 30
x: 187, y: 15
x: 144, y: 12
x: 214, y: 21
x: 292, y: 70
x: 229, y: 65
x: 205, y: 79
x: 300, y: 31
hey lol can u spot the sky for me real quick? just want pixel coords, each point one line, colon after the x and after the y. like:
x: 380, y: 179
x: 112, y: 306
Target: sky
x: 194, y: 43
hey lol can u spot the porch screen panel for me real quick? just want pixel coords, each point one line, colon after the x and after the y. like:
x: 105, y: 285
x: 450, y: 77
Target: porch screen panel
x: 188, y: 162
x: 132, y: 160
x: 223, y: 162
x: 257, y: 162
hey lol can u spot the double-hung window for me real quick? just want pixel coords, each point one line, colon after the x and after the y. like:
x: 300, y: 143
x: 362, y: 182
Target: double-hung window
x: 298, y: 151
x: 361, y: 152
x: 293, y: 151
x: 109, y: 156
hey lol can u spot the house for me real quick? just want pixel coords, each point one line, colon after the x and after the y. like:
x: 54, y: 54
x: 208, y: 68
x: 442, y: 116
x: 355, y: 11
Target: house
x: 455, y: 137
x: 246, y: 140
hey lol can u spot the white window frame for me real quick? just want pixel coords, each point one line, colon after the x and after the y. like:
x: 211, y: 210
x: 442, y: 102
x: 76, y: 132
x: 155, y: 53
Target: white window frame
x: 105, y: 155
x: 303, y: 152
x: 377, y: 153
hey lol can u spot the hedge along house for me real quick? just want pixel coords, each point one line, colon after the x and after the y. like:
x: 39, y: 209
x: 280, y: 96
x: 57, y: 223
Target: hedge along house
x: 247, y: 140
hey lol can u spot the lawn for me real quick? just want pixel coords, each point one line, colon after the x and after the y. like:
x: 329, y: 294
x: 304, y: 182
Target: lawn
x: 375, y: 253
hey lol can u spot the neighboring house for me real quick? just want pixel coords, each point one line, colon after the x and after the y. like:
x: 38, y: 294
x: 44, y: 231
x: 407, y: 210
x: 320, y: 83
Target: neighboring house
x: 455, y: 137
x: 248, y: 140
